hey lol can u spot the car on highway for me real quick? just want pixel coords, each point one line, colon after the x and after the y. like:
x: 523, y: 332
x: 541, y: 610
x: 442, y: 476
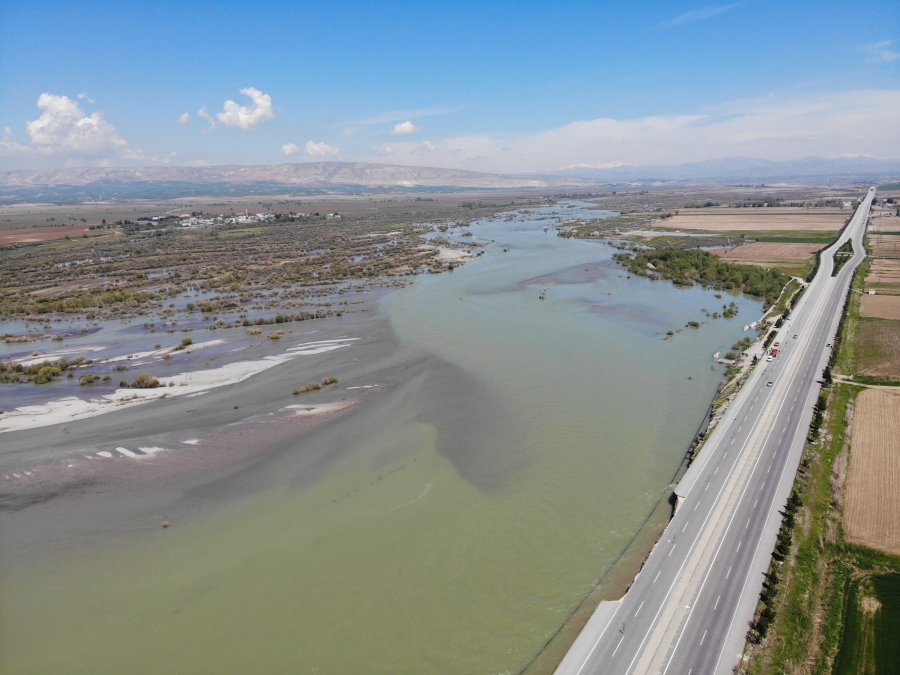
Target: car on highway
x: 828, y: 344
x: 796, y: 336
x: 769, y: 383
x: 769, y: 358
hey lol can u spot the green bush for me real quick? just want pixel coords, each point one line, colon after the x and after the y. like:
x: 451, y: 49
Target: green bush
x: 145, y: 381
x: 312, y: 386
x: 329, y: 380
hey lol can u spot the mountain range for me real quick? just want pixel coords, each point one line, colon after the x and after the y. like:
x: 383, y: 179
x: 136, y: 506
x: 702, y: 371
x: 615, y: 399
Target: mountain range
x: 334, y: 174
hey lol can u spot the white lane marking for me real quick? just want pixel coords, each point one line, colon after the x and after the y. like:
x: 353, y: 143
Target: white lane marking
x: 104, y: 453
x: 739, y: 546
x: 748, y: 524
x: 704, y: 636
x: 706, y: 488
x: 716, y: 471
x: 673, y: 548
x: 657, y: 576
x: 126, y: 452
x: 639, y: 608
x: 717, y: 603
x: 618, y: 645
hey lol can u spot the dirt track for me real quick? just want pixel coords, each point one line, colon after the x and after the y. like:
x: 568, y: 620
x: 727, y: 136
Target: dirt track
x: 872, y: 511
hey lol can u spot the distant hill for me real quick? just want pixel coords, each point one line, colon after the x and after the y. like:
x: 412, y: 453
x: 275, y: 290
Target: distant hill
x: 732, y: 169
x: 311, y: 175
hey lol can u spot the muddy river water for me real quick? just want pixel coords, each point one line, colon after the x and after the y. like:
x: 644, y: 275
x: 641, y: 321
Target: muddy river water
x: 533, y: 414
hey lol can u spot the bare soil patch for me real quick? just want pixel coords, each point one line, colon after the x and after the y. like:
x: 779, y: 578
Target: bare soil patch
x: 878, y: 347
x: 885, y: 245
x: 34, y: 234
x: 758, y: 252
x: 872, y: 511
x: 774, y: 219
x: 880, y: 306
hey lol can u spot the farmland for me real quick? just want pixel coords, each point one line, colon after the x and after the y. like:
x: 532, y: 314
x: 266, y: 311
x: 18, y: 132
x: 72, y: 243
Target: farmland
x: 885, y: 245
x: 878, y: 347
x: 880, y: 306
x: 872, y: 511
x: 760, y: 219
x: 791, y: 258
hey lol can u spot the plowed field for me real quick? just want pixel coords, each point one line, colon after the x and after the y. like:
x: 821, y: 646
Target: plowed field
x: 872, y: 511
x: 885, y: 245
x: 759, y: 252
x: 884, y: 272
x: 771, y: 219
x: 880, y: 306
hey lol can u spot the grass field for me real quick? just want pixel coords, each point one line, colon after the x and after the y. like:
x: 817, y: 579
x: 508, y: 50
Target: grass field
x: 877, y: 347
x: 871, y: 626
x: 884, y: 275
x: 872, y: 511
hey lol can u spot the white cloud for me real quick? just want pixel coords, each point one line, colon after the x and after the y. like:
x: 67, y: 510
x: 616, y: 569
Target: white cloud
x: 209, y: 118
x: 700, y: 14
x: 10, y: 147
x: 404, y: 128
x: 246, y: 116
x: 397, y: 116
x: 290, y: 149
x: 430, y: 147
x: 84, y: 96
x: 320, y: 149
x: 184, y: 118
x: 64, y: 129
x: 773, y: 127
x: 164, y: 158
x: 879, y: 51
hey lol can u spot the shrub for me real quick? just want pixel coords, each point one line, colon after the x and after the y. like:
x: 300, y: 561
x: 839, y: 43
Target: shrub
x: 145, y: 381
x: 295, y: 392
x: 329, y: 380
x: 275, y: 335
x: 185, y: 342
x: 312, y: 386
x: 87, y: 379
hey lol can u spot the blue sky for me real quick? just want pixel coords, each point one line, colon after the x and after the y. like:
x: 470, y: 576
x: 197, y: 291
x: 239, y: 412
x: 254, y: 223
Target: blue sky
x: 485, y: 86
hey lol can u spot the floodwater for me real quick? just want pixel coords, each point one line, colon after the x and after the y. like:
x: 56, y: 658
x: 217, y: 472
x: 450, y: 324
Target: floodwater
x: 476, y: 505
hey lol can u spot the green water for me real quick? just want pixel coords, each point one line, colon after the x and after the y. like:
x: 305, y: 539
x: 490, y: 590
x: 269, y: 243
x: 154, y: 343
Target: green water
x: 457, y: 546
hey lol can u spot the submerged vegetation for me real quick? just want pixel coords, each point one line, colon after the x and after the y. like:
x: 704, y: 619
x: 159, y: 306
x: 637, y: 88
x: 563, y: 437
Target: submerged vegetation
x: 694, y: 266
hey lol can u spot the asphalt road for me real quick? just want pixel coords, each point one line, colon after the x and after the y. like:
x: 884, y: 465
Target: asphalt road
x: 688, y: 611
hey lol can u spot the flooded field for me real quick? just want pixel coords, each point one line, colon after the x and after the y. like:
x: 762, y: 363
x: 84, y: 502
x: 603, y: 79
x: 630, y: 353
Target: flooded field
x: 529, y: 414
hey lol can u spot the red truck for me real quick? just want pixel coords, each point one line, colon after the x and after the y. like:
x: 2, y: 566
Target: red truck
x: 774, y: 351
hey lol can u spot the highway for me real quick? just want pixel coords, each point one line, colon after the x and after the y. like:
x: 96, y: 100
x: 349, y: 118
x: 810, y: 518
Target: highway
x: 688, y: 610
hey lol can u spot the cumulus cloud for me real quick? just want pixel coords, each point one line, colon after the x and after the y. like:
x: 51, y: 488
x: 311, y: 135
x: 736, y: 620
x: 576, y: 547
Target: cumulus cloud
x: 290, y: 149
x: 430, y: 147
x: 404, y: 128
x: 320, y: 149
x: 64, y: 129
x: 184, y: 118
x: 246, y: 116
x: 700, y: 14
x: 772, y: 127
x: 84, y: 96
